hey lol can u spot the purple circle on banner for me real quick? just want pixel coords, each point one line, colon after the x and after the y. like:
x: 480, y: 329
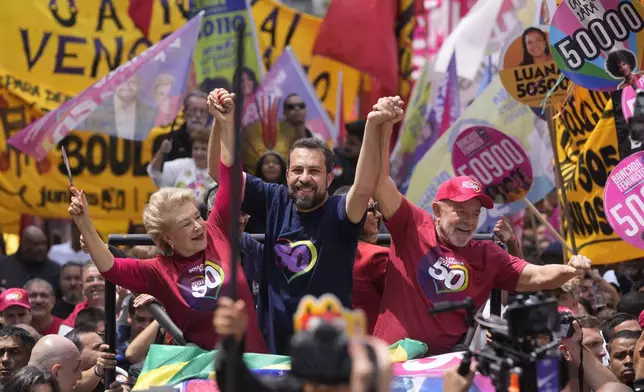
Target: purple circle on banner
x: 495, y: 160
x: 624, y: 199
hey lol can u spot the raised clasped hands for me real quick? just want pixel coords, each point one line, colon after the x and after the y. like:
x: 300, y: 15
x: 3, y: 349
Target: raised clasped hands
x: 221, y: 105
x: 388, y: 111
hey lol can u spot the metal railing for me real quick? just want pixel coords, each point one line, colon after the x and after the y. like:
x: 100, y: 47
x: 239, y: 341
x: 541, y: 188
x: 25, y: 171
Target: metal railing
x: 164, y: 320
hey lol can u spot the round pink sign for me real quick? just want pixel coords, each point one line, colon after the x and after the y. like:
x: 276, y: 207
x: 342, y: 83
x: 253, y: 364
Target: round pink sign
x: 494, y: 160
x: 628, y: 98
x: 624, y: 199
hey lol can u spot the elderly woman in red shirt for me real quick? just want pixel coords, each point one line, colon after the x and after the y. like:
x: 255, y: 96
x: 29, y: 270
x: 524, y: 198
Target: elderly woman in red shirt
x: 194, y: 270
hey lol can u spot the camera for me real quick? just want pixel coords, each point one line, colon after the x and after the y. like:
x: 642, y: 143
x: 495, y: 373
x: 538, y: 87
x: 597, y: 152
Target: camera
x: 524, y: 342
x: 319, y: 349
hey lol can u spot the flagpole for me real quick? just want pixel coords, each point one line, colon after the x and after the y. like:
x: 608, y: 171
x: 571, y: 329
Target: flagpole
x: 559, y: 182
x: 235, y: 205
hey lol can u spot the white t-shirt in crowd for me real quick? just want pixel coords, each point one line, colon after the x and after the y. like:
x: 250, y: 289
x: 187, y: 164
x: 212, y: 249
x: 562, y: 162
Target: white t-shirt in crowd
x: 182, y: 173
x: 63, y: 254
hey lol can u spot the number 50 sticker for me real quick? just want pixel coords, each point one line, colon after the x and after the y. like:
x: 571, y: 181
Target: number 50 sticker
x: 624, y: 199
x: 595, y: 42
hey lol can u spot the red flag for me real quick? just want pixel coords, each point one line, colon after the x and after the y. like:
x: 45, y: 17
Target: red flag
x: 140, y: 11
x: 361, y: 34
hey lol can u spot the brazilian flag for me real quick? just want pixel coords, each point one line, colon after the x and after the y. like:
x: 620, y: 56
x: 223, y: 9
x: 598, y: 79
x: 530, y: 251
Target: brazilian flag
x: 172, y: 365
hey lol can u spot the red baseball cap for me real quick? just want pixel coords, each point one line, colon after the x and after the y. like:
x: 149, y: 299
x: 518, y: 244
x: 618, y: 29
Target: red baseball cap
x: 461, y: 189
x: 14, y: 297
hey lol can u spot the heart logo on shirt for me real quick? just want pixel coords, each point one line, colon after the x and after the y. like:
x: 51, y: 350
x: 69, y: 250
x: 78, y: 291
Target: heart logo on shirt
x: 297, y: 257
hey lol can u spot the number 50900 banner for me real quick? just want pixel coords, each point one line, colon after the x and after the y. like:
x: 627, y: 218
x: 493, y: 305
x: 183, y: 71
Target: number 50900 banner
x: 597, y: 44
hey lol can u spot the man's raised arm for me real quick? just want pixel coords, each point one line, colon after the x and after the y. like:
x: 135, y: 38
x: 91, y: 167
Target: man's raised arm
x: 369, y: 160
x: 387, y: 194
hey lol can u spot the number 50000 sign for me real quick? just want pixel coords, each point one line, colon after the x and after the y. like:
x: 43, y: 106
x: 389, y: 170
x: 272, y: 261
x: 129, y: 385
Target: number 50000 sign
x: 601, y: 35
x: 635, y: 206
x: 493, y: 162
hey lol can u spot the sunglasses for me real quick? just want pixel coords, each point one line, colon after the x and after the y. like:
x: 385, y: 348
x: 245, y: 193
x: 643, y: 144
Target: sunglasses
x: 293, y: 106
x: 373, y: 208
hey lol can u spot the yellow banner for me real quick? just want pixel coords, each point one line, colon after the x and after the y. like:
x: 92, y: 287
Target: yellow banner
x: 587, y: 150
x: 278, y: 26
x: 51, y: 53
x: 111, y: 171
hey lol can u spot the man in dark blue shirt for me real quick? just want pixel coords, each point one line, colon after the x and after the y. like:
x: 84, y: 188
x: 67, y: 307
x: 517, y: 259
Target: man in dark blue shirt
x: 311, y: 238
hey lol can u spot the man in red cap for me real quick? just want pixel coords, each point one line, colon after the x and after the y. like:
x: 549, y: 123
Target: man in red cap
x: 15, y: 307
x: 434, y: 259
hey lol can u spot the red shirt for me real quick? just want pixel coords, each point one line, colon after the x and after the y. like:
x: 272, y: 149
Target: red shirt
x: 369, y: 280
x: 188, y: 287
x: 425, y: 270
x: 69, y: 321
x: 53, y: 327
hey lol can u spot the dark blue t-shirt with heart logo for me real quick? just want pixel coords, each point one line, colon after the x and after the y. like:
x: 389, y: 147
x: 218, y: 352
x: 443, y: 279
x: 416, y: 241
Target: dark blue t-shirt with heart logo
x: 304, y: 253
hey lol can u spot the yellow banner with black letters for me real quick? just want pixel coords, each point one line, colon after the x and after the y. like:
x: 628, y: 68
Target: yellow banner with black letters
x: 587, y: 148
x: 52, y: 52
x: 49, y: 53
x: 278, y: 26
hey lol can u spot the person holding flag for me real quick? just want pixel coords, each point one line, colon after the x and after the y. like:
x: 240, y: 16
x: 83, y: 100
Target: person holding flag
x: 434, y: 259
x: 194, y: 269
x: 311, y: 237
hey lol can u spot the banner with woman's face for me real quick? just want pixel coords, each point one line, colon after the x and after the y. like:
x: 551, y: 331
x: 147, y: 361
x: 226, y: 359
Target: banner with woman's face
x: 597, y: 43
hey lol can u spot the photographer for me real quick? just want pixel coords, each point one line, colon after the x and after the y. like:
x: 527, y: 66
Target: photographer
x: 230, y: 322
x: 595, y: 375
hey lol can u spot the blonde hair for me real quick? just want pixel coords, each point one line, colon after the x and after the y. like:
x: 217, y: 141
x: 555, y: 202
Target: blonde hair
x: 158, y: 213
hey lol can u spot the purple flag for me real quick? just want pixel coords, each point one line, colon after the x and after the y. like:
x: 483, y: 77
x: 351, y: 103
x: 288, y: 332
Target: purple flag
x: 128, y: 102
x: 445, y: 109
x: 287, y: 77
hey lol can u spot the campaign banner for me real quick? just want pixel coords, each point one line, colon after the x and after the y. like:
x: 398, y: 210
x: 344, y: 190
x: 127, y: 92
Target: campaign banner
x: 278, y: 27
x: 264, y: 127
x: 145, y: 92
x: 496, y: 161
x: 216, y: 52
x: 111, y: 171
x: 624, y: 199
x: 496, y: 109
x: 413, y: 126
x: 529, y: 70
x: 589, y: 150
x: 438, y: 116
x: 52, y: 50
x: 598, y: 44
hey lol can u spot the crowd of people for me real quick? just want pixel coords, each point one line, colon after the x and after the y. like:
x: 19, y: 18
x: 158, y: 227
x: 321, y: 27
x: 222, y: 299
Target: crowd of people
x: 321, y: 212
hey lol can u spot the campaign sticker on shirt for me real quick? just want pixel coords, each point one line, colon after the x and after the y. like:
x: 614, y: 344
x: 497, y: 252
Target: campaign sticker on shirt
x: 529, y: 71
x: 495, y: 160
x: 200, y: 285
x: 295, y: 258
x: 624, y: 199
x: 440, y: 275
x: 595, y: 42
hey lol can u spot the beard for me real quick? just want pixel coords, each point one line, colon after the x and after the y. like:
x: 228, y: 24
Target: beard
x: 305, y: 202
x: 455, y: 237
